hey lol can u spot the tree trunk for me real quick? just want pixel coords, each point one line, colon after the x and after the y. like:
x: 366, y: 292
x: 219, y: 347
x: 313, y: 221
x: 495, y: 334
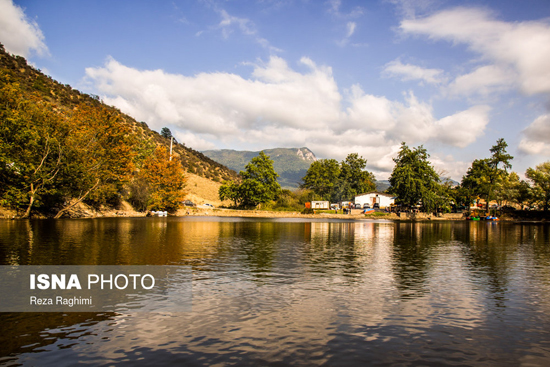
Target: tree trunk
x: 60, y: 213
x: 31, y: 201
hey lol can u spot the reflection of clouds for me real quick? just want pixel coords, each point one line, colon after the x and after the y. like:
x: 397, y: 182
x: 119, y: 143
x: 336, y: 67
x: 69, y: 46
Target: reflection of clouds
x: 336, y: 290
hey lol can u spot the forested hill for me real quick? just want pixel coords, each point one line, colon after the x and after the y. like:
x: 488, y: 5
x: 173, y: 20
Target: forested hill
x: 290, y: 163
x: 65, y: 98
x: 57, y: 144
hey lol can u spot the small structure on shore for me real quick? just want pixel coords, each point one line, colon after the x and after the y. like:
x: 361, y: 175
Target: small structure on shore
x: 371, y: 198
x: 320, y: 205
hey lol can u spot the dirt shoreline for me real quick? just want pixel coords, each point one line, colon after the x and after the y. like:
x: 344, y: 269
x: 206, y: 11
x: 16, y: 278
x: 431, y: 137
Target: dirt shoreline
x: 126, y: 211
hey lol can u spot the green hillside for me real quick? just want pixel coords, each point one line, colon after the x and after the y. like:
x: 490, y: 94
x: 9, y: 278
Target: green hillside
x: 290, y: 163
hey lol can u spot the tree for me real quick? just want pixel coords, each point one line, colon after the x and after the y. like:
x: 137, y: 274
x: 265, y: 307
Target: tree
x: 540, y: 176
x: 166, y: 133
x: 524, y: 194
x: 507, y: 190
x: 101, y: 155
x: 498, y: 157
x: 413, y: 178
x: 476, y: 183
x: 354, y: 179
x: 334, y: 181
x: 32, y: 144
x: 259, y: 183
x: 322, y: 177
x: 166, y: 181
x: 485, y: 174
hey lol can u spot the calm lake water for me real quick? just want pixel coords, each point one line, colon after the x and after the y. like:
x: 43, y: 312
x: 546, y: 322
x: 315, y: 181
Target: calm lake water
x: 284, y: 292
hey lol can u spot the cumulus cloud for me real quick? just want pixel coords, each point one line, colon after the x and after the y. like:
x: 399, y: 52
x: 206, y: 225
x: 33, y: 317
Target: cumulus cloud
x: 413, y: 72
x: 536, y: 137
x: 484, y: 81
x: 277, y: 106
x: 522, y: 46
x: 20, y: 35
x: 463, y: 128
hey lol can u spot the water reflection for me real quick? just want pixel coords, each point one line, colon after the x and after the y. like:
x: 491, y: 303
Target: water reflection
x: 299, y: 292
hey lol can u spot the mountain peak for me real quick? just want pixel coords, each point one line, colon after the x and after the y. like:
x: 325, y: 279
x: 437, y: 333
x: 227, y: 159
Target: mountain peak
x: 306, y: 155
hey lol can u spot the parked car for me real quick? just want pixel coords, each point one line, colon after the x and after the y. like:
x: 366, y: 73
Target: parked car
x: 209, y: 205
x: 366, y: 206
x: 189, y: 203
x: 376, y: 206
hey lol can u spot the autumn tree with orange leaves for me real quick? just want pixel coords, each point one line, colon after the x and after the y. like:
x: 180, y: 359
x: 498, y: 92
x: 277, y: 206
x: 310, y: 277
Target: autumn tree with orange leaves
x: 165, y: 181
x: 101, y: 155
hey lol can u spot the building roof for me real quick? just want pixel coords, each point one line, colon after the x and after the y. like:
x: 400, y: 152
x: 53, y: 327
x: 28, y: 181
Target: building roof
x: 376, y: 193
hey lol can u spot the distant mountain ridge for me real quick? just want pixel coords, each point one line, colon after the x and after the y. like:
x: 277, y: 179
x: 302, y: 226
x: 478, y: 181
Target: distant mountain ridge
x: 290, y: 163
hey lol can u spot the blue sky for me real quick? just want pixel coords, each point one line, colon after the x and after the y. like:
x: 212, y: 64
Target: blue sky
x: 335, y: 76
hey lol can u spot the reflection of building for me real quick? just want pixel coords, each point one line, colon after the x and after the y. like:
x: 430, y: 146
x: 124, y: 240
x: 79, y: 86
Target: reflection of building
x: 372, y: 198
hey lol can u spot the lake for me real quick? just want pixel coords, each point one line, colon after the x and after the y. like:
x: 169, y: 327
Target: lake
x: 290, y: 292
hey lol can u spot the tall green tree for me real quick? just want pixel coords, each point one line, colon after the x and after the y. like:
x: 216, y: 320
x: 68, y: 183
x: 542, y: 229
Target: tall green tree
x: 322, y: 177
x: 258, y: 185
x: 413, y: 178
x: 354, y: 179
x: 476, y: 181
x: 540, y: 176
x: 484, y: 174
x: 330, y: 180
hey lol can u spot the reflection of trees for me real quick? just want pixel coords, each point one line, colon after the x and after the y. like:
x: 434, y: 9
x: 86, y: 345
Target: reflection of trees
x: 339, y: 249
x: 412, y: 254
x: 493, y: 251
x: 257, y: 243
x: 109, y: 241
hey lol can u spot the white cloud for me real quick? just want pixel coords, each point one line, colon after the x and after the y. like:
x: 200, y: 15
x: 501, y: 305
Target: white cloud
x: 246, y: 27
x: 522, y: 46
x: 463, y: 128
x: 484, y: 81
x: 536, y: 137
x: 19, y: 35
x: 280, y: 107
x: 412, y: 72
x: 351, y: 28
x: 335, y: 6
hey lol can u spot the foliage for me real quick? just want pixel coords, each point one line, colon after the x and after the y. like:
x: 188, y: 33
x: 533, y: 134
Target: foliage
x: 59, y: 147
x: 476, y: 182
x: 413, y: 178
x: 333, y: 181
x: 166, y: 181
x: 32, y: 147
x: 485, y: 174
x: 322, y: 178
x: 101, y: 156
x: 258, y: 184
x: 540, y: 176
x: 165, y: 133
x: 353, y: 179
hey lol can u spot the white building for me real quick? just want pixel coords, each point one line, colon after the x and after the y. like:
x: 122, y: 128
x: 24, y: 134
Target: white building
x: 320, y: 205
x: 371, y: 198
